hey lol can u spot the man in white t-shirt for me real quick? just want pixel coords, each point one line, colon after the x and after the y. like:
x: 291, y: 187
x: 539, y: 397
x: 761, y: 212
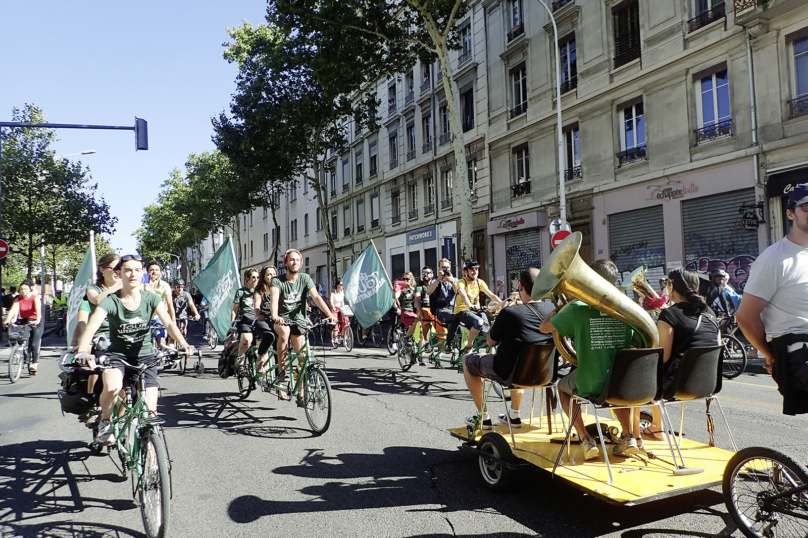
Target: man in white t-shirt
x: 773, y: 313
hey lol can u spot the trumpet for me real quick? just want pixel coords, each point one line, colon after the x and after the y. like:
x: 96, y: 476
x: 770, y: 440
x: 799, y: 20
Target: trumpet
x: 566, y: 272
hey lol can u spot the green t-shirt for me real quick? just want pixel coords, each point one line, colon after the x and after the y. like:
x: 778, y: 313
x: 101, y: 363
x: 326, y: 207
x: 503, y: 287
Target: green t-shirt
x: 245, y: 299
x: 130, y: 330
x: 421, y: 290
x: 598, y: 337
x: 292, y: 300
x: 407, y: 300
x: 104, y: 328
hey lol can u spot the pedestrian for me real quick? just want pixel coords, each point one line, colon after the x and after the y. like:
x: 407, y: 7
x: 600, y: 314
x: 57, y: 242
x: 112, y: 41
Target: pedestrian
x: 774, y: 309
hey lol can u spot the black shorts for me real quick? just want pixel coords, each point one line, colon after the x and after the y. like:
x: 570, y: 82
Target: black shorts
x: 150, y: 375
x: 482, y: 366
x: 470, y: 320
x: 296, y: 328
x: 245, y: 324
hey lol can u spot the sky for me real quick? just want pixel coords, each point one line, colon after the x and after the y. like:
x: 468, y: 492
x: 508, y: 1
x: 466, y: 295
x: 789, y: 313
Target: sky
x: 96, y: 62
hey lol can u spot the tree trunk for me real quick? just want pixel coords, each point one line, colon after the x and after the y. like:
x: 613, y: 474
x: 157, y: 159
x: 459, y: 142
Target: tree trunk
x: 319, y: 166
x: 237, y: 231
x: 276, y: 230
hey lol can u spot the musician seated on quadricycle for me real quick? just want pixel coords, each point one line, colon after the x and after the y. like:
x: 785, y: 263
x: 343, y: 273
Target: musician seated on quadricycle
x: 598, y: 338
x: 514, y: 327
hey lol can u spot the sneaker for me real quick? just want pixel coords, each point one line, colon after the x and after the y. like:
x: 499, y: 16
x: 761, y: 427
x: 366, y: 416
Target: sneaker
x: 241, y: 360
x: 626, y: 446
x: 486, y: 424
x: 590, y: 448
x: 104, y: 435
x: 515, y: 422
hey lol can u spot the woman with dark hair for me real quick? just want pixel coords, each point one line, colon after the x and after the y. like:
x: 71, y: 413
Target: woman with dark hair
x: 262, y: 302
x: 27, y: 309
x: 337, y: 301
x: 244, y: 311
x: 687, y: 323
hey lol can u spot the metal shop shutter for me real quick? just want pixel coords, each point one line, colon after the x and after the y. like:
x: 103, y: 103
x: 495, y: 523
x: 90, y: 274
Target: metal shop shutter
x: 714, y: 236
x: 397, y: 263
x: 522, y: 250
x: 638, y: 238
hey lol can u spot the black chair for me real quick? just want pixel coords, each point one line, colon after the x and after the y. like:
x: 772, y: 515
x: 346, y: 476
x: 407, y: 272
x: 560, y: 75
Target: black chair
x: 634, y: 380
x: 698, y: 377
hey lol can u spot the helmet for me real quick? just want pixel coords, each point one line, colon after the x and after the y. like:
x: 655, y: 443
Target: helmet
x: 179, y: 282
x: 718, y: 272
x: 468, y: 264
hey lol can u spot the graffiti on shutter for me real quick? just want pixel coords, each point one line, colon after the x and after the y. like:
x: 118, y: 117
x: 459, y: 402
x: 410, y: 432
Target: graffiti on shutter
x: 638, y: 238
x: 522, y: 250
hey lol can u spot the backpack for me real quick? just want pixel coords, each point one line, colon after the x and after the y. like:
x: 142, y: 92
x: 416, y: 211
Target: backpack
x: 227, y: 361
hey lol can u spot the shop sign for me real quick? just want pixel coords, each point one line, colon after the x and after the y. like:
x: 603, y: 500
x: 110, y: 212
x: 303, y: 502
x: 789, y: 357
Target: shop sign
x: 782, y: 184
x: 510, y: 224
x: 673, y: 192
x: 421, y: 236
x: 750, y: 221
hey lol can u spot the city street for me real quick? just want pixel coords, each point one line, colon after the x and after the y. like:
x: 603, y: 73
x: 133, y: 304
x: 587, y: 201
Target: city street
x: 386, y: 466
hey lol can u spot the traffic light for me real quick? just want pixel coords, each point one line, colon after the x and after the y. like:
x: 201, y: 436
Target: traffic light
x: 141, y: 134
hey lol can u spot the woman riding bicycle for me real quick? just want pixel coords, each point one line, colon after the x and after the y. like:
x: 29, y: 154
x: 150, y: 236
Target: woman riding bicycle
x: 262, y: 301
x: 27, y: 310
x: 244, y: 311
x: 129, y: 312
x: 405, y: 297
x: 337, y: 301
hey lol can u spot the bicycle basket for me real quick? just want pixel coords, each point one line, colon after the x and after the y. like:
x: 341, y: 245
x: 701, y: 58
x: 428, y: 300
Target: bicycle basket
x: 73, y: 396
x: 19, y: 332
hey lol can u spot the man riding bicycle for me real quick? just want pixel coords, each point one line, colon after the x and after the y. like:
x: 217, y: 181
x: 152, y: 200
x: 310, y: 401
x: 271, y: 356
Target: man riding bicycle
x: 163, y: 290
x: 59, y: 303
x: 468, y: 297
x: 183, y: 304
x: 288, y: 308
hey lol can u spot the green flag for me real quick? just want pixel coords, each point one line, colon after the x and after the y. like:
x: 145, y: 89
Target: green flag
x: 83, y: 278
x: 367, y: 289
x: 219, y: 282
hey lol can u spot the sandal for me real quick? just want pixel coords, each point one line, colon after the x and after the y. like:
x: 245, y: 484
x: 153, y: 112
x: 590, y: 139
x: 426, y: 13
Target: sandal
x: 299, y: 401
x: 655, y: 435
x: 31, y: 371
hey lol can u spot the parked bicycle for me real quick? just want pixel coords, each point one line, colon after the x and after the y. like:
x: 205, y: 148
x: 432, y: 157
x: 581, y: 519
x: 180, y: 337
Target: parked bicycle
x: 19, y: 355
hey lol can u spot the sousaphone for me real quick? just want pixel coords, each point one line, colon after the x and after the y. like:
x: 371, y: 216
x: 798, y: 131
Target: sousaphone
x: 566, y: 272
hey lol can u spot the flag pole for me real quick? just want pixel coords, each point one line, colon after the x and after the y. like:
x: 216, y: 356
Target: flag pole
x: 235, y: 260
x: 376, y: 252
x: 92, y: 253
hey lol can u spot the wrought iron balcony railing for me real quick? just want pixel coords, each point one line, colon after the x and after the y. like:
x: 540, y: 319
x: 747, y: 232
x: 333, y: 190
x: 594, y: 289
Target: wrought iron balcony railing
x: 333, y: 193
x: 410, y: 155
x: 345, y: 187
x: 515, y: 32
x: 445, y: 138
x: 798, y: 106
x: 427, y: 147
x: 640, y: 153
x: 429, y: 209
x: 360, y: 228
x: 630, y: 55
x: 393, y: 163
x: 391, y: 108
x: 571, y: 174
x: 520, y: 189
x: 373, y: 171
x: 409, y: 97
x: 465, y: 57
x: 745, y: 5
x: 706, y: 17
x: 425, y: 86
x: 711, y: 132
x: 446, y: 203
x: 374, y: 223
x: 569, y: 84
x: 359, y: 180
x: 396, y: 218
x: 413, y: 214
x: 347, y: 232
x: 519, y: 109
x: 560, y: 3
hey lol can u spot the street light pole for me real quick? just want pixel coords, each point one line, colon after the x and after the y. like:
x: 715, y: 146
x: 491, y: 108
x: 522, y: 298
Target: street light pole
x: 562, y: 194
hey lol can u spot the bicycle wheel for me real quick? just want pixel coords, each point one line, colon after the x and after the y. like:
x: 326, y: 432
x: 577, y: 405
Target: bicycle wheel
x: 361, y: 336
x: 734, y: 357
x: 347, y: 339
x: 16, y: 358
x: 317, y: 400
x: 753, y: 476
x: 213, y: 337
x: 244, y: 386
x: 155, y: 486
x: 405, y: 357
x: 376, y: 335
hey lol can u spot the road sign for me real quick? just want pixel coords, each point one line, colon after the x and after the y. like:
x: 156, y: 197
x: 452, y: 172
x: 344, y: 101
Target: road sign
x: 3, y: 249
x: 557, y: 225
x: 558, y: 237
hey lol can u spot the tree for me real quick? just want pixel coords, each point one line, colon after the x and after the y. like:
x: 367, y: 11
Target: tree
x: 46, y: 201
x: 424, y: 29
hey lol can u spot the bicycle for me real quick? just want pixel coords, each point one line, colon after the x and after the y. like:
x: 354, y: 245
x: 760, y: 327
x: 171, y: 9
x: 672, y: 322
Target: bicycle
x: 733, y: 357
x: 316, y: 400
x: 409, y: 353
x: 171, y: 356
x: 61, y: 326
x: 374, y: 334
x: 140, y: 442
x: 766, y: 493
x: 344, y: 337
x: 210, y: 335
x: 395, y: 334
x: 18, y: 336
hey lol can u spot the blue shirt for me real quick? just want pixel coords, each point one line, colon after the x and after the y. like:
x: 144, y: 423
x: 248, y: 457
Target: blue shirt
x: 444, y: 295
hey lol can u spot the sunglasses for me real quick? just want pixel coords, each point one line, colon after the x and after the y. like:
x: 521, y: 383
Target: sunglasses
x: 804, y: 207
x: 110, y: 267
x: 427, y: 272
x: 129, y: 257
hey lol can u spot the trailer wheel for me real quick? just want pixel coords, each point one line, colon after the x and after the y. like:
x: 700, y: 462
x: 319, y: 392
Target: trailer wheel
x: 496, y: 476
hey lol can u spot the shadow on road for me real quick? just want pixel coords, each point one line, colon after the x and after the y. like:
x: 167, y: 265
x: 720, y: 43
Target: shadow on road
x: 70, y: 530
x: 430, y: 480
x: 363, y: 381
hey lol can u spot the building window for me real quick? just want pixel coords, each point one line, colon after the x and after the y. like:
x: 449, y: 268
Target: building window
x: 626, y: 21
x: 572, y: 154
x: 293, y: 230
x: 306, y: 224
x: 391, y: 99
x: 515, y: 19
x: 334, y: 225
x: 706, y: 12
x: 569, y: 65
x: 251, y: 249
x: 274, y: 237
x: 410, y: 141
x: 521, y: 177
x: 346, y: 220
x: 251, y: 219
x: 333, y: 182
x: 425, y: 77
x: 318, y: 219
x: 395, y: 202
x: 472, y: 174
x: 715, y: 120
x: 799, y: 105
x: 373, y: 159
x: 245, y: 227
x: 374, y: 210
x: 265, y: 212
x: 360, y: 214
x: 358, y: 159
x: 292, y: 194
x: 409, y: 87
x: 346, y: 175
x: 632, y: 142
x: 446, y: 126
x: 413, y: 200
x: 393, y: 151
x: 446, y: 181
x: 426, y: 133
x: 519, y: 90
x: 266, y: 242
x: 467, y: 102
x: 465, y: 43
x: 429, y: 195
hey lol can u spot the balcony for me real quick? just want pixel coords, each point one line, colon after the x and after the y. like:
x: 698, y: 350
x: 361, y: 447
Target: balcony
x: 413, y: 214
x: 560, y: 3
x: 515, y: 32
x: 345, y: 187
x: 427, y: 147
x: 391, y: 108
x: 346, y: 232
x: 396, y: 218
x: 358, y: 130
x: 569, y: 84
x: 358, y: 180
x: 425, y: 86
x: 711, y: 132
x: 628, y: 56
x: 409, y: 98
x: 465, y: 57
x: 445, y: 138
x: 571, y: 174
x: 706, y: 17
x: 360, y: 228
x: 519, y: 109
x: 745, y: 5
x: 410, y: 155
x: 393, y: 163
x: 798, y: 106
x: 520, y: 189
x: 446, y: 203
x: 429, y: 209
x: 633, y: 155
x: 373, y: 171
x: 333, y: 192
x: 374, y: 223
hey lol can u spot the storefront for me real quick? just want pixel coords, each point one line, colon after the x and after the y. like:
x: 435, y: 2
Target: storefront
x: 411, y: 251
x: 517, y: 244
x: 778, y: 187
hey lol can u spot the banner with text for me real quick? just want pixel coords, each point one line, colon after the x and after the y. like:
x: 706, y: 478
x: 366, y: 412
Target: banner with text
x: 367, y: 290
x: 84, y: 278
x: 218, y: 283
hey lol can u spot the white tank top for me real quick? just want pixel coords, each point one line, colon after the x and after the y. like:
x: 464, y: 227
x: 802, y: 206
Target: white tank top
x: 339, y: 300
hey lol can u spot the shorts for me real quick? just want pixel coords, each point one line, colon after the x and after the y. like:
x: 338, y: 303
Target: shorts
x: 482, y: 366
x: 408, y: 318
x: 567, y: 383
x: 150, y: 375
x: 245, y: 324
x: 470, y: 320
x: 429, y: 321
x: 296, y: 328
x: 158, y: 330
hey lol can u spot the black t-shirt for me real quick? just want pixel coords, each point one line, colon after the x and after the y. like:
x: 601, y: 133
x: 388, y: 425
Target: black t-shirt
x: 515, y: 326
x: 683, y: 317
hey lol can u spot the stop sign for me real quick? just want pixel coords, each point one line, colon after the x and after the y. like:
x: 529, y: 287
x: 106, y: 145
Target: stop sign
x: 3, y: 249
x: 558, y: 237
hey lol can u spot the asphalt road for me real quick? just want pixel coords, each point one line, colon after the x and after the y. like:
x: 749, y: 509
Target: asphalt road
x: 386, y: 467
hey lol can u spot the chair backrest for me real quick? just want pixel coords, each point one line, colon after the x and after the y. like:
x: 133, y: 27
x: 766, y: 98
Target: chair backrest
x: 698, y: 374
x: 535, y: 367
x: 635, y: 378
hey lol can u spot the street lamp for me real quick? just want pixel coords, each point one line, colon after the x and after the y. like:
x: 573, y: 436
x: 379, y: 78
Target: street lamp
x: 86, y: 152
x: 178, y: 265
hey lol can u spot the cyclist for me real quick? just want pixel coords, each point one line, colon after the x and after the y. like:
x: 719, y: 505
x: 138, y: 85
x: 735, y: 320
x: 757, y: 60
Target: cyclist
x: 183, y: 303
x: 244, y: 311
x: 161, y: 288
x: 262, y: 303
x: 422, y: 304
x: 289, y: 308
x: 59, y: 303
x: 129, y: 312
x: 27, y: 309
x: 468, y: 296
x: 442, y: 297
x: 337, y: 301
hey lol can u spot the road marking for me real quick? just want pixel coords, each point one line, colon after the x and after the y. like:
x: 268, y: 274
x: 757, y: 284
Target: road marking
x: 752, y: 384
x: 752, y: 403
